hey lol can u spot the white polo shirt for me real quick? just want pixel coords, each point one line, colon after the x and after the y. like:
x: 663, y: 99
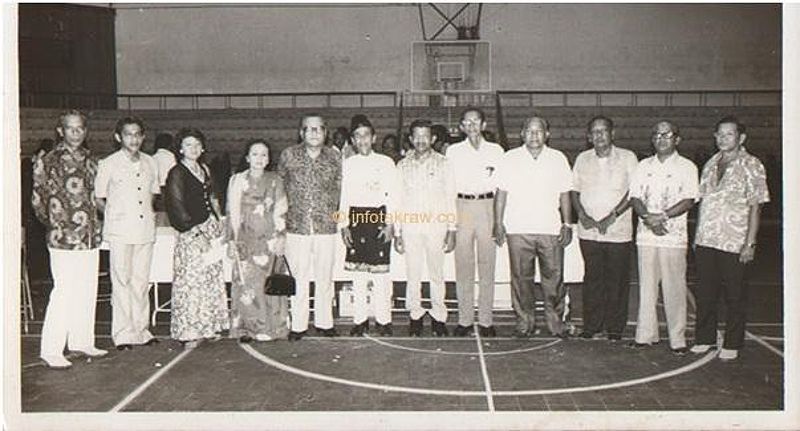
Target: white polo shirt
x: 660, y: 185
x: 475, y: 169
x: 165, y: 161
x: 602, y: 182
x: 534, y: 187
x: 128, y: 188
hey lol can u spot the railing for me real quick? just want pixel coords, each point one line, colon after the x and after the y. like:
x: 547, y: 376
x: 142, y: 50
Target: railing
x: 365, y: 99
x: 642, y: 98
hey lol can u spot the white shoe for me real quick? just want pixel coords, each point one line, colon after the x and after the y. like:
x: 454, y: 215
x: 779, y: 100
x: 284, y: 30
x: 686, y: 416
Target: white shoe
x: 93, y: 352
x: 263, y: 337
x: 701, y: 348
x: 190, y: 345
x: 56, y: 361
x: 728, y: 354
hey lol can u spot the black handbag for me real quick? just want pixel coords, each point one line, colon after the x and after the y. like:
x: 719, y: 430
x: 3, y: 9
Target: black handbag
x: 278, y: 284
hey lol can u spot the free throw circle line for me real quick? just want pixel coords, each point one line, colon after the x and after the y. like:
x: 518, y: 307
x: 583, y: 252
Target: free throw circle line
x: 438, y: 352
x: 462, y: 393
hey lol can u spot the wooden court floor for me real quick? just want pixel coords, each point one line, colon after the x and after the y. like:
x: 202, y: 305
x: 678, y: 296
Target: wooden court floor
x: 399, y: 373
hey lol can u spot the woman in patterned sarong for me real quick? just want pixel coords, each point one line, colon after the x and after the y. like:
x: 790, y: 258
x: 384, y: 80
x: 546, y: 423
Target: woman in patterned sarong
x: 199, y: 301
x: 257, y: 208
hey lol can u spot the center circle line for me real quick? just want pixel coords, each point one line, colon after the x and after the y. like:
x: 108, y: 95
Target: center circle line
x: 439, y: 352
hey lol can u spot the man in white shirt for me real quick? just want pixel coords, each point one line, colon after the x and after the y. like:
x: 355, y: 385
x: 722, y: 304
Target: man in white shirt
x: 663, y: 189
x: 369, y: 186
x: 475, y: 161
x: 532, y: 210
x: 425, y: 228
x: 125, y: 185
x: 601, y: 179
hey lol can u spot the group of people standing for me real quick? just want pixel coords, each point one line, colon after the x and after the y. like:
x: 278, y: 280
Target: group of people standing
x: 469, y: 200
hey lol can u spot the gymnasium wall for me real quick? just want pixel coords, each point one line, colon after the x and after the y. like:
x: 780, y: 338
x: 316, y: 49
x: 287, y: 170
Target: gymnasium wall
x: 274, y: 48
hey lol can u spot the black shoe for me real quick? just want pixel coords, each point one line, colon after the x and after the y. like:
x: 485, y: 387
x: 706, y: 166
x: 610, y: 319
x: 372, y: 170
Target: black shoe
x: 360, y: 329
x: 635, y: 345
x: 330, y: 332
x: 439, y: 329
x: 565, y: 335
x: 680, y: 351
x: 521, y: 334
x: 151, y: 341
x: 297, y: 336
x: 487, y: 331
x: 122, y: 347
x: 462, y: 331
x: 245, y: 339
x: 415, y: 327
x: 586, y: 335
x: 614, y: 337
x: 385, y: 330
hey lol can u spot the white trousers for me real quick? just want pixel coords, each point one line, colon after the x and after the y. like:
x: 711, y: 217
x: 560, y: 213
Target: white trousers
x: 70, y: 315
x: 311, y: 255
x: 130, y: 303
x: 381, y: 297
x: 667, y: 266
x: 423, y: 247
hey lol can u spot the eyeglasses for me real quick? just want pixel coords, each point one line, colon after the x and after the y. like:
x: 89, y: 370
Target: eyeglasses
x: 664, y: 135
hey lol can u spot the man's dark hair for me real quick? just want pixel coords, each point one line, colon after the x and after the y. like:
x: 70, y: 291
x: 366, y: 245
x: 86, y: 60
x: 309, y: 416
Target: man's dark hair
x: 164, y: 140
x: 420, y: 123
x: 474, y: 109
x: 603, y: 118
x: 124, y: 121
x: 740, y: 127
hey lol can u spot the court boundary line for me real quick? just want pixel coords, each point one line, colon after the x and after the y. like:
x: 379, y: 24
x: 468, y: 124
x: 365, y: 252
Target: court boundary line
x: 766, y: 345
x: 487, y: 384
x: 464, y: 393
x: 147, y: 383
x: 553, y: 341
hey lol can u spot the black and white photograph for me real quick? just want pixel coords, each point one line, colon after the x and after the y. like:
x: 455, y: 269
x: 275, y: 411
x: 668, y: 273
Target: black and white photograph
x: 432, y: 216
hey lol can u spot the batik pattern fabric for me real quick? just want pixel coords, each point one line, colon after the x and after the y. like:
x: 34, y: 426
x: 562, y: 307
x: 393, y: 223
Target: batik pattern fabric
x: 312, y: 186
x: 725, y: 203
x: 63, y: 198
x: 199, y: 300
x: 369, y: 253
x: 257, y: 211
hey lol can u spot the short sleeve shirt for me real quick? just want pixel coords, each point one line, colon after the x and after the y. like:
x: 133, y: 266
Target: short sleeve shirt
x: 725, y: 204
x: 128, y: 188
x: 534, y: 187
x: 660, y: 185
x: 602, y: 183
x: 475, y: 169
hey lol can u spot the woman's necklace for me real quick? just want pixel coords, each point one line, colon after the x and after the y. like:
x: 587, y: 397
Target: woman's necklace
x: 195, y: 169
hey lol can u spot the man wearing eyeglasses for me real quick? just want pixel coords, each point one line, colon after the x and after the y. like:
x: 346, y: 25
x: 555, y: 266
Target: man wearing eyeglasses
x: 663, y: 189
x: 312, y: 176
x: 475, y: 161
x: 733, y: 187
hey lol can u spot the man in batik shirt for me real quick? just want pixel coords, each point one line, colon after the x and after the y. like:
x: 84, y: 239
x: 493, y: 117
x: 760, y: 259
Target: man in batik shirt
x: 312, y: 176
x: 63, y: 189
x: 732, y: 188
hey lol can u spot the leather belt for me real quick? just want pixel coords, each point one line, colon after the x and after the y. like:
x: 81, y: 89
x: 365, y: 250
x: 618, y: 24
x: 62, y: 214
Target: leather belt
x: 489, y: 195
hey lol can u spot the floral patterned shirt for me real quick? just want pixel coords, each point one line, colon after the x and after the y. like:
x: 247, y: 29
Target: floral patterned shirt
x: 63, y: 198
x: 725, y: 204
x: 313, y: 186
x: 660, y: 185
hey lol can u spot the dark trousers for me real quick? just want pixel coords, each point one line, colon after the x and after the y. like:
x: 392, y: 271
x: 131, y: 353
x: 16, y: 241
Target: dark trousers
x: 523, y: 251
x: 720, y: 272
x: 605, y: 286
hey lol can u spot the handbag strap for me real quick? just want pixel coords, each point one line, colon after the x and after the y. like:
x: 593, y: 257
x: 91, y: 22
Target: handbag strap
x: 288, y: 268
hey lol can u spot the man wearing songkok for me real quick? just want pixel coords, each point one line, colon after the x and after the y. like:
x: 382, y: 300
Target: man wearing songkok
x: 125, y: 185
x: 733, y: 186
x: 63, y: 201
x: 312, y: 176
x: 475, y: 161
x: 369, y: 189
x: 663, y: 189
x: 532, y: 210
x: 425, y: 228
x: 600, y: 183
